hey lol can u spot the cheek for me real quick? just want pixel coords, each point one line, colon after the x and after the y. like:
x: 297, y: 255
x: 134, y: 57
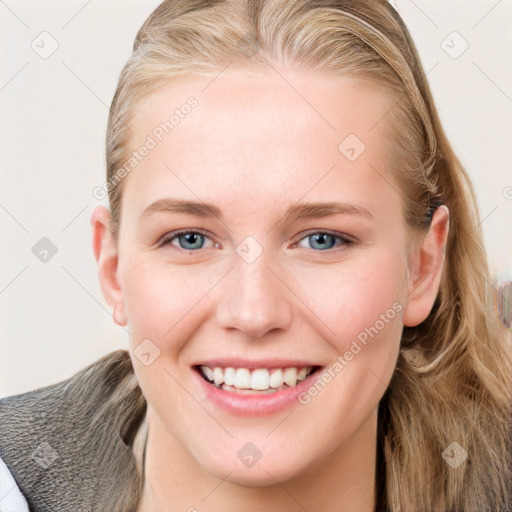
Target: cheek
x: 164, y: 304
x: 362, y: 305
x: 361, y: 300
x: 161, y: 300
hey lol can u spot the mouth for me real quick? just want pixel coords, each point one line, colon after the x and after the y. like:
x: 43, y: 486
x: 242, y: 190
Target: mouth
x: 255, y: 381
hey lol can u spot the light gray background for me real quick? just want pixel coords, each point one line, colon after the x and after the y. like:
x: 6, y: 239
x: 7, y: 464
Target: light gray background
x: 54, y: 111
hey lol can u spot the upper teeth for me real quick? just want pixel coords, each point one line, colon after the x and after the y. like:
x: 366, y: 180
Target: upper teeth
x: 257, y: 379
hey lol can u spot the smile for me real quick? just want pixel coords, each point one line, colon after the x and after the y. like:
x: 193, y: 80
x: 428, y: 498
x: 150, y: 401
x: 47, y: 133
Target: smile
x: 255, y: 391
x: 245, y: 381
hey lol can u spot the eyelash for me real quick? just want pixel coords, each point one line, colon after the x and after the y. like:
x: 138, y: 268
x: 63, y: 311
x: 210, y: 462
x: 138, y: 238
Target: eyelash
x: 346, y: 242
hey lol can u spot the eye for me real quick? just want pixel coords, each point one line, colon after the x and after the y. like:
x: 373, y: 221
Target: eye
x: 187, y: 239
x: 322, y: 241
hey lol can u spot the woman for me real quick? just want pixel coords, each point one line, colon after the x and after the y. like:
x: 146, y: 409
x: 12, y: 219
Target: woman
x: 291, y: 243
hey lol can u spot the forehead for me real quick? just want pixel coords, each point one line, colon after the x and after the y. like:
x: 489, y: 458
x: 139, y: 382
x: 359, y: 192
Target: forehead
x: 289, y: 99
x: 253, y: 134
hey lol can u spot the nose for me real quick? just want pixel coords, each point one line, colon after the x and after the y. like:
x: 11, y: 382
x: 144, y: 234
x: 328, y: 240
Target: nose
x: 253, y: 299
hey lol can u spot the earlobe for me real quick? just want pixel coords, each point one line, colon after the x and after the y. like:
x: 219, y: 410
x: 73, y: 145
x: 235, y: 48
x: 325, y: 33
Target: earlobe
x: 426, y: 269
x: 106, y: 253
x: 119, y: 315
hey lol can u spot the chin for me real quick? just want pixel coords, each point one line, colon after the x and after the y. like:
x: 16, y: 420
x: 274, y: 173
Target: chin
x: 262, y: 473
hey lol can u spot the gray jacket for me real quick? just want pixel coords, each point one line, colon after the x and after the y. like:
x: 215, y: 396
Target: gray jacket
x: 65, y: 449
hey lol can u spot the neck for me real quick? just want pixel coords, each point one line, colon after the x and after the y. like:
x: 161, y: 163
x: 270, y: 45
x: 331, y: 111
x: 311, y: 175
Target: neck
x: 342, y: 481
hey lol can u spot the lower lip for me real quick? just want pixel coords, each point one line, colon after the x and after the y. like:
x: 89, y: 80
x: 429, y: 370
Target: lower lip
x: 257, y: 404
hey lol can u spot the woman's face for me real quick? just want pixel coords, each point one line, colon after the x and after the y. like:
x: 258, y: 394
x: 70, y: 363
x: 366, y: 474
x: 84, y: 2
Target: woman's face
x: 299, y: 260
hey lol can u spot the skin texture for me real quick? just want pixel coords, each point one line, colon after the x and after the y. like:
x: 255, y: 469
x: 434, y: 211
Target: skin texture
x: 253, y: 146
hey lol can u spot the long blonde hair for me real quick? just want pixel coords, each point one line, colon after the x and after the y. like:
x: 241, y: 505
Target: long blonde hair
x: 453, y: 375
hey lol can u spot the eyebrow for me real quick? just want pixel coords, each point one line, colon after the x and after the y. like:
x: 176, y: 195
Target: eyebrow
x: 319, y: 210
x: 295, y: 211
x: 169, y: 205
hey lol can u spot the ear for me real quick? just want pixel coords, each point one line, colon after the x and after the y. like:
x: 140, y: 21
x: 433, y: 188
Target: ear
x: 106, y: 253
x: 425, y: 269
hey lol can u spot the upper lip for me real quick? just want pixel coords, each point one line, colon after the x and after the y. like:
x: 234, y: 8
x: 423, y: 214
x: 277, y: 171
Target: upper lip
x: 229, y: 362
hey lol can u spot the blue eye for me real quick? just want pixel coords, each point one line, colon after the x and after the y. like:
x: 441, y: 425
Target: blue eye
x: 191, y: 241
x: 324, y: 241
x: 194, y: 240
x: 187, y: 240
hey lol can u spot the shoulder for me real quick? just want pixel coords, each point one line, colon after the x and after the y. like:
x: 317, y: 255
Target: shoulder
x: 56, y: 440
x: 11, y: 499
x: 66, y: 404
